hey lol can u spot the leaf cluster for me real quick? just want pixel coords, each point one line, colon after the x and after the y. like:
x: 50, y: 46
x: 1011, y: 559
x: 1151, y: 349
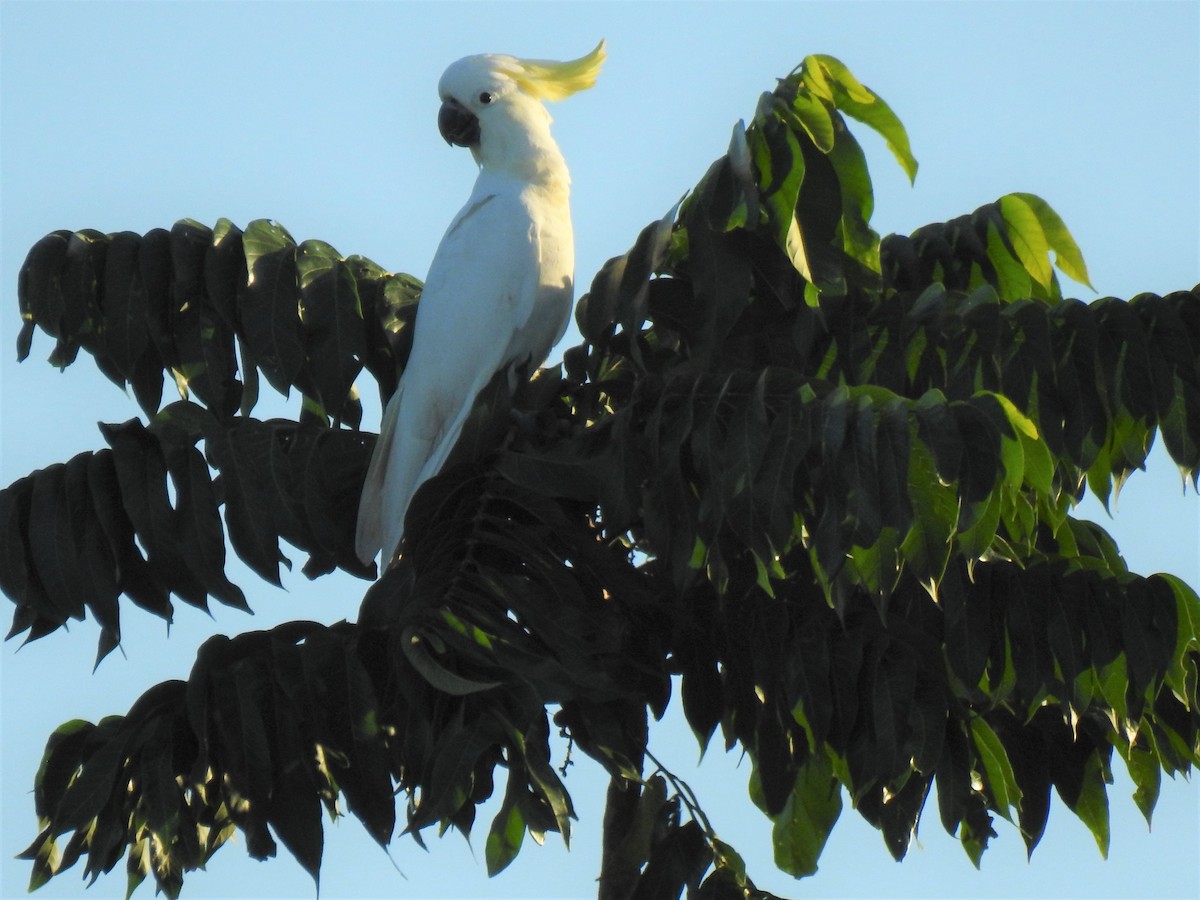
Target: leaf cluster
x: 80, y: 534
x: 213, y: 307
x: 820, y: 481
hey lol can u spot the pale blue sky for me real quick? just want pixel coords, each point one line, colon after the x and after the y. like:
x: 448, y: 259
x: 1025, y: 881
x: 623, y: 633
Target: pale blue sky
x: 322, y: 116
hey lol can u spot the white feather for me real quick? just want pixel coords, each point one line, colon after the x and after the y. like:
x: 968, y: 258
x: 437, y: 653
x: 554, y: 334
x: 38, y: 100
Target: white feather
x: 498, y: 294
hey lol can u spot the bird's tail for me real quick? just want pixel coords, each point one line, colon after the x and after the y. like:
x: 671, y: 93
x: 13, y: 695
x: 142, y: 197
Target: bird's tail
x: 401, y: 463
x: 369, y: 537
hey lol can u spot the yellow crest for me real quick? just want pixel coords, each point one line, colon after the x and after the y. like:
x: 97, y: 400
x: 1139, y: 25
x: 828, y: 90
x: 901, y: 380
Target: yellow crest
x: 550, y: 80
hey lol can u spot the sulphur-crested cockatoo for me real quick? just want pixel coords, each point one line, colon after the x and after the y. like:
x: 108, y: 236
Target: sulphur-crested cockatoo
x: 499, y: 290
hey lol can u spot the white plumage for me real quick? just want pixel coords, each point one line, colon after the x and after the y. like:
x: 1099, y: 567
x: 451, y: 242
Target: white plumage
x: 500, y: 287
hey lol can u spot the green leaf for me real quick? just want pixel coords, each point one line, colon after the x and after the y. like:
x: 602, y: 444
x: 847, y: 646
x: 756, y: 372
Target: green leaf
x: 1013, y: 281
x: 417, y: 652
x: 507, y: 832
x: 803, y: 826
x: 1019, y: 421
x: 975, y: 834
x: 1092, y: 804
x: 46, y: 859
x: 997, y: 769
x: 938, y: 430
x: 858, y: 201
x: 543, y: 777
x: 1039, y: 463
x: 926, y: 547
x: 726, y: 859
x: 1027, y: 238
x: 1146, y: 774
x: 1067, y: 255
x: 977, y: 526
x: 813, y: 116
x: 1187, y: 634
x: 746, y: 210
x: 861, y: 103
x: 780, y: 163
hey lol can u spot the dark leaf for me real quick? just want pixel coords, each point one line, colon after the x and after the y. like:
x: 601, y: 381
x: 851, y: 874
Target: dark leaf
x: 95, y: 561
x: 142, y: 478
x: 81, y: 274
x: 61, y: 760
x: 294, y: 811
x: 200, y: 524
x: 269, y: 307
x: 242, y: 455
x: 900, y: 813
x: 224, y: 271
x: 125, y: 314
x: 17, y: 577
x: 90, y: 791
x: 330, y: 483
x: 52, y: 544
x: 333, y: 324
x: 678, y: 861
x: 135, y: 578
x: 39, y: 291
x: 154, y: 266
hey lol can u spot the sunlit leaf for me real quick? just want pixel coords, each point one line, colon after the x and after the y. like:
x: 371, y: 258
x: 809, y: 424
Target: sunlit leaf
x: 1067, y: 255
x: 1026, y: 235
x: 997, y: 768
x: 867, y: 107
x: 506, y: 835
x: 801, y: 829
x: 1091, y: 806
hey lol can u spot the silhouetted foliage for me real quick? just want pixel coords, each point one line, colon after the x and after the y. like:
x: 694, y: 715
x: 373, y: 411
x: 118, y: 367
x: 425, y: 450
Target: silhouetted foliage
x: 825, y: 480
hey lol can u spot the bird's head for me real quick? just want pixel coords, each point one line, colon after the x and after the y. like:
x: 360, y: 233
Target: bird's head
x: 492, y: 103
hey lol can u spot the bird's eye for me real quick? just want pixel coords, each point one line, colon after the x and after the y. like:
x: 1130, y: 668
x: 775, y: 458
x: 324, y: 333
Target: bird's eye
x: 485, y: 98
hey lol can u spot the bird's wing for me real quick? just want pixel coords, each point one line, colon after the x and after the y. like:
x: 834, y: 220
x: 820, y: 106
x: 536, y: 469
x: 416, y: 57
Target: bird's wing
x: 481, y: 291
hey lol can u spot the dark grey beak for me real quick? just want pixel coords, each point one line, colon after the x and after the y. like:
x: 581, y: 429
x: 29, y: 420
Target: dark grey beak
x: 457, y: 124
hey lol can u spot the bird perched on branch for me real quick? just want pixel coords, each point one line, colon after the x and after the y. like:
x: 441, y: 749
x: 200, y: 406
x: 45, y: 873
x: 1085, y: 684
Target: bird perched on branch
x: 499, y: 291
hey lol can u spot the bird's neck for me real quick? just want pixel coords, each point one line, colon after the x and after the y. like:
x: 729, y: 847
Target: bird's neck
x: 524, y: 150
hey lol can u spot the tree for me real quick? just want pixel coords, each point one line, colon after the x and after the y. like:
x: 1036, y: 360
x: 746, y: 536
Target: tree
x: 825, y: 480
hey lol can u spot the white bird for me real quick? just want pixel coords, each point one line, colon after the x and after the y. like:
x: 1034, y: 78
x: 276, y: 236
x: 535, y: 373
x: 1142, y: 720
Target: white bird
x: 500, y: 287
